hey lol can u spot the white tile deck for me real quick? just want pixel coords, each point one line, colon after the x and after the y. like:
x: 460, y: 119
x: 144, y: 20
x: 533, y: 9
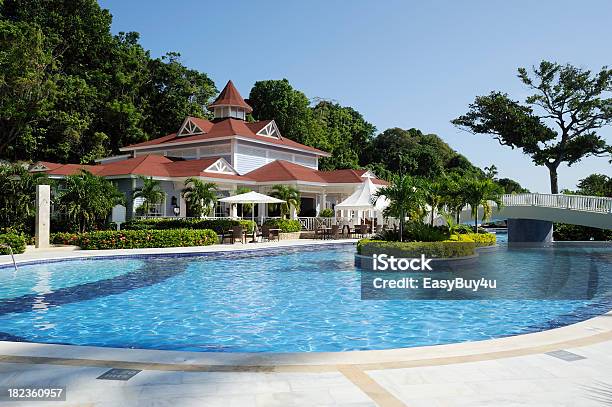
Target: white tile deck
x: 532, y: 380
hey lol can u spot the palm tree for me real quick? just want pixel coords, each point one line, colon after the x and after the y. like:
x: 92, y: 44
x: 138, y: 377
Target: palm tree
x: 87, y: 200
x: 18, y: 196
x: 150, y: 192
x: 406, y: 196
x: 434, y: 196
x: 247, y: 207
x: 481, y: 192
x: 200, y: 196
x: 290, y: 195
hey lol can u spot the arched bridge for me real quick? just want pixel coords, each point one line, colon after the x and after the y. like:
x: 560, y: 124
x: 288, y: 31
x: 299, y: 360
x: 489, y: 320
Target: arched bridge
x: 530, y: 216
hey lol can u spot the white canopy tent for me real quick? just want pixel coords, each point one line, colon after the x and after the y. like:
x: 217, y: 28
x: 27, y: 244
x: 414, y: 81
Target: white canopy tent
x: 251, y: 198
x: 363, y: 200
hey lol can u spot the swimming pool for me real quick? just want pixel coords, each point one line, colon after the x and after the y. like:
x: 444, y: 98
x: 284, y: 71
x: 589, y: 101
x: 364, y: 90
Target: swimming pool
x: 278, y: 300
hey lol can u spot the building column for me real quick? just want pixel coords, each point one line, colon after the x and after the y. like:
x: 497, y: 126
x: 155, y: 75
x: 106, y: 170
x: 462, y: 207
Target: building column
x: 43, y: 213
x: 292, y: 212
x: 529, y: 231
x: 234, y: 211
x: 322, y: 198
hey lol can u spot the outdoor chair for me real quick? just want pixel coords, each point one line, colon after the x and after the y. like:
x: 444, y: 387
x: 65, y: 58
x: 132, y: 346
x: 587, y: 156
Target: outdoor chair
x: 363, y: 230
x: 335, y: 232
x: 379, y: 229
x: 268, y: 234
x: 238, y: 233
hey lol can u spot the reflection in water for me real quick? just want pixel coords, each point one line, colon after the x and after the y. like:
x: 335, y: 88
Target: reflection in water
x: 39, y: 305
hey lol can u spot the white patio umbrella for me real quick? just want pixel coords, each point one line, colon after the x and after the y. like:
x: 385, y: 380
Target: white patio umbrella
x: 251, y: 198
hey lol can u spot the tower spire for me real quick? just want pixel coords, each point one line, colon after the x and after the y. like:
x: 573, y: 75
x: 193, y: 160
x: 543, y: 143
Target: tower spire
x: 229, y: 103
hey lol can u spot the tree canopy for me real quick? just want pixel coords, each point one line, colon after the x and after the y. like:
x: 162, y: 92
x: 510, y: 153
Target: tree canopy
x: 70, y: 91
x: 559, y: 122
x: 423, y: 155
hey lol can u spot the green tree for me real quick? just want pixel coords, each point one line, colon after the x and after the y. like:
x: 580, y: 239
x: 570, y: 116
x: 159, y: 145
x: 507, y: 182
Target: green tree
x: 87, y: 200
x: 150, y: 192
x: 26, y: 86
x: 424, y: 155
x: 596, y: 185
x: 290, y: 195
x: 481, y: 192
x: 435, y: 192
x: 511, y: 186
x: 18, y: 197
x: 572, y: 104
x: 77, y: 92
x: 200, y: 196
x: 277, y: 100
x: 406, y: 197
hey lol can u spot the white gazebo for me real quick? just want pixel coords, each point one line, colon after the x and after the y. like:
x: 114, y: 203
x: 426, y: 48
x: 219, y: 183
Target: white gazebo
x: 363, y: 201
x: 251, y: 198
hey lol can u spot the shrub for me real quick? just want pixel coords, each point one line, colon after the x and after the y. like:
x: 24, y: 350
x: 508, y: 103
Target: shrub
x: 481, y: 239
x: 565, y: 232
x: 326, y: 213
x: 285, y: 225
x: 137, y: 239
x: 16, y: 241
x: 218, y: 225
x: 368, y: 247
x: 417, y: 232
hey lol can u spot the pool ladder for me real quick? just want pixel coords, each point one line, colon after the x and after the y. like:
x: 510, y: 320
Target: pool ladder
x: 6, y: 246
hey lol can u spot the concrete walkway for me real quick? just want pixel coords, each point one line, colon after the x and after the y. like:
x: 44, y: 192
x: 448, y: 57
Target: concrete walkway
x: 532, y: 380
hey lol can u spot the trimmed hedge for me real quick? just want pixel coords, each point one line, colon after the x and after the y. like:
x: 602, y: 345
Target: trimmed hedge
x: 326, y: 213
x: 481, y: 239
x: 218, y: 225
x: 285, y: 225
x: 16, y: 241
x: 447, y: 249
x: 137, y: 239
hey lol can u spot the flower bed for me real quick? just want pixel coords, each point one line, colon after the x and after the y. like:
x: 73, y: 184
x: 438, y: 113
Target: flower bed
x: 137, y: 239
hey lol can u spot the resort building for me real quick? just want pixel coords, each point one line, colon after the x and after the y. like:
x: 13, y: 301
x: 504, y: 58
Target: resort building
x: 229, y: 151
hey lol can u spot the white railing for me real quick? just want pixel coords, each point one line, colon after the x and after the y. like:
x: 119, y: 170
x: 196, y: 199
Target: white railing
x: 313, y: 223
x: 575, y: 202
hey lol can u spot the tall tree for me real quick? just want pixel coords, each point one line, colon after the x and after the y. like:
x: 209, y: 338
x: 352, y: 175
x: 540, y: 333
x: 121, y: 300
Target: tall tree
x: 150, y: 192
x: 596, y: 185
x: 87, y: 200
x: 289, y: 195
x: 200, y: 196
x: 481, y: 192
x: 288, y: 107
x: 561, y: 119
x: 26, y: 86
x: 406, y: 197
x: 424, y: 155
x: 80, y: 92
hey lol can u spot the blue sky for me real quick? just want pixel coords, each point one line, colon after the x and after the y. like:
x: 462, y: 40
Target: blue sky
x: 400, y: 63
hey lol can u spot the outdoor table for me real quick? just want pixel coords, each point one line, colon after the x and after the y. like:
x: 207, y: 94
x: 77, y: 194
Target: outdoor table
x: 244, y: 232
x: 326, y: 231
x: 275, y: 230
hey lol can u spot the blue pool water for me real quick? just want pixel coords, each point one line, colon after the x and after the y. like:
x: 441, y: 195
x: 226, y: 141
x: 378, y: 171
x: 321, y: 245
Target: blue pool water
x: 285, y: 300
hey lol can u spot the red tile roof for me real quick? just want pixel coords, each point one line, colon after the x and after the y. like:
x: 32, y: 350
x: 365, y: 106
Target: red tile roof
x: 280, y: 170
x: 154, y: 165
x: 230, y: 96
x: 228, y: 127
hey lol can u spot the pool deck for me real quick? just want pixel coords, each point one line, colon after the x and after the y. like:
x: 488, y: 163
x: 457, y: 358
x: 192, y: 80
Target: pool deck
x: 518, y: 370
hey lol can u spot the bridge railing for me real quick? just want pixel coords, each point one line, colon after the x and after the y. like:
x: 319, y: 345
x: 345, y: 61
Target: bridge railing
x: 575, y: 202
